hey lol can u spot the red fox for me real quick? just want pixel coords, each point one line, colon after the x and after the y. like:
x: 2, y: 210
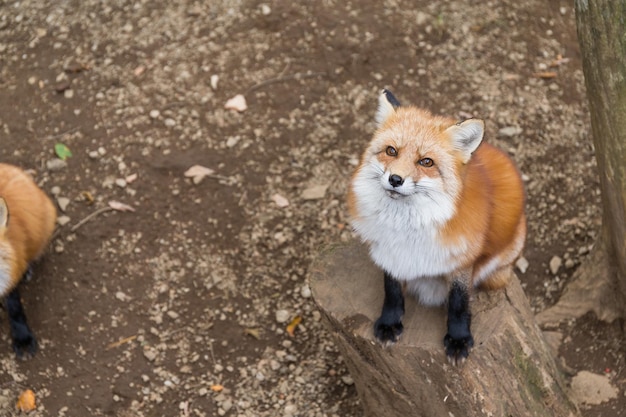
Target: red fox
x: 442, y: 213
x: 27, y: 219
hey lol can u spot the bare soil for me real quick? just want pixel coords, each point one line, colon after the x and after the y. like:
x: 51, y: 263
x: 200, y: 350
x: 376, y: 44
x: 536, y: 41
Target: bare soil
x: 180, y: 308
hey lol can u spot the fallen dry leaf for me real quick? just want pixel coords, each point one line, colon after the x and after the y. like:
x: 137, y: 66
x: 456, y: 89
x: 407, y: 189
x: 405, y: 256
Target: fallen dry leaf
x: 253, y: 332
x: 291, y: 327
x: 116, y: 205
x: 26, y: 401
x: 545, y: 75
x: 236, y: 103
x: 88, y: 197
x: 198, y: 172
x: 217, y: 388
x: 280, y: 201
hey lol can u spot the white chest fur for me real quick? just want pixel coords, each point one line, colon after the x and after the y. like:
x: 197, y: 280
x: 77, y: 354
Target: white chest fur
x: 5, y: 277
x: 403, y: 232
x: 407, y: 252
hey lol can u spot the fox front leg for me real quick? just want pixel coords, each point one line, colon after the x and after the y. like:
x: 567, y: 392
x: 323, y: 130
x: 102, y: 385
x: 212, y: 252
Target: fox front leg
x: 458, y: 340
x: 388, y: 327
x: 24, y: 341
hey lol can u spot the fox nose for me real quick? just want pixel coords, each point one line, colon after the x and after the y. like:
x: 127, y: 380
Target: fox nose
x: 395, y: 180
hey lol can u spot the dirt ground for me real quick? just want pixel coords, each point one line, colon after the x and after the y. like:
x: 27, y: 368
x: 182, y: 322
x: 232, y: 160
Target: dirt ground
x: 180, y: 308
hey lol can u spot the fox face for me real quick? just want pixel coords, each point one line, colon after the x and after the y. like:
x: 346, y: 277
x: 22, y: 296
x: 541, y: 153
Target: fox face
x: 417, y: 160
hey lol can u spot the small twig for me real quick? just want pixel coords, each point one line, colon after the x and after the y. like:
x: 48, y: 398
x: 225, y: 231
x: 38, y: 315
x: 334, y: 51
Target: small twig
x: 284, y: 71
x: 211, y: 351
x: 67, y: 132
x: 282, y: 78
x: 121, y: 342
x: 91, y: 216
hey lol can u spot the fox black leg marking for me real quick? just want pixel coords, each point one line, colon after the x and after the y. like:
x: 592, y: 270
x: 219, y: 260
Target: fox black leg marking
x: 388, y: 327
x: 458, y: 341
x: 23, y: 338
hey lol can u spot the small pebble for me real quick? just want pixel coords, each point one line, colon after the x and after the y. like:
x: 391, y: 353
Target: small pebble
x: 315, y: 192
x: 63, y: 202
x: 214, y: 80
x: 227, y: 405
x: 266, y: 10
x: 154, y: 114
x: 63, y: 220
x: 150, y: 354
x: 55, y: 164
x: 291, y: 409
x: 232, y: 141
x: 522, y: 264
x: 555, y: 264
x: 305, y: 291
x: 509, y: 131
x: 282, y: 316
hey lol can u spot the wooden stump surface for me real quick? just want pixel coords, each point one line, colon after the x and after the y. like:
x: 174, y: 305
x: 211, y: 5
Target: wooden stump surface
x: 509, y: 372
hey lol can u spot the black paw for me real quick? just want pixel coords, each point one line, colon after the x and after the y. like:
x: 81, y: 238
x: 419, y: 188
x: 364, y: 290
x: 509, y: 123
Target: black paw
x: 25, y: 345
x: 387, y: 333
x: 458, y: 348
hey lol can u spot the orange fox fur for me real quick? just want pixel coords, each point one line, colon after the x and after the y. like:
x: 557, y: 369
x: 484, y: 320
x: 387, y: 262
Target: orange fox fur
x: 481, y: 219
x: 27, y: 219
x: 441, y: 211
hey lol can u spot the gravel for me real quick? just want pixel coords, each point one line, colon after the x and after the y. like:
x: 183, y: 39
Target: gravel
x: 181, y: 307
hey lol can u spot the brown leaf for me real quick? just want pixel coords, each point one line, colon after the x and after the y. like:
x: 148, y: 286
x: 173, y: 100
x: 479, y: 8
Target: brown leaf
x: 545, y: 75
x: 217, y: 388
x: 26, y: 401
x: 88, y: 197
x: 256, y: 333
x: 291, y: 327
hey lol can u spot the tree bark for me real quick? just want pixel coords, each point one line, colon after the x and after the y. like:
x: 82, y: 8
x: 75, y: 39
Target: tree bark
x: 600, y: 284
x: 510, y: 371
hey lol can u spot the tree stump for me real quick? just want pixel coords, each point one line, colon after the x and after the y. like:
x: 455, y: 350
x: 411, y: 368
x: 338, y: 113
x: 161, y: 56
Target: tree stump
x: 510, y: 371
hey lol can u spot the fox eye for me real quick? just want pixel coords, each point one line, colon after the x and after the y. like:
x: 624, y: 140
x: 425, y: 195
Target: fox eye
x: 391, y: 151
x: 426, y: 162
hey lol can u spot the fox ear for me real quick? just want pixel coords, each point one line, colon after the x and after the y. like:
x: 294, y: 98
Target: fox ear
x: 466, y: 136
x: 4, y: 213
x: 387, y: 105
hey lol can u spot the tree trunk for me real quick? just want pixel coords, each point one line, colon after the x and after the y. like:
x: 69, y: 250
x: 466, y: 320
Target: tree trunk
x: 600, y: 285
x: 510, y: 371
